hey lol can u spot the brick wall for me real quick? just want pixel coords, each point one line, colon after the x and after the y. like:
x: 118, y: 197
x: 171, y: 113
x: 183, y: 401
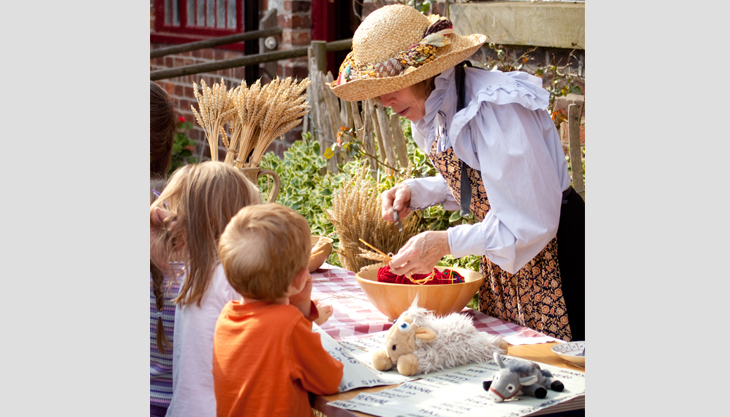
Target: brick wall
x: 295, y: 19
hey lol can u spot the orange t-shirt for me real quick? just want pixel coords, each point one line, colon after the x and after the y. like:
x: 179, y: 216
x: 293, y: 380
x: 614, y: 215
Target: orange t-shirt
x: 266, y: 358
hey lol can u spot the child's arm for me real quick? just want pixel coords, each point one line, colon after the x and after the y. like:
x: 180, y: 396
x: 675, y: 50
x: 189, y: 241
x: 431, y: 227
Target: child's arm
x: 314, y: 367
x: 303, y: 300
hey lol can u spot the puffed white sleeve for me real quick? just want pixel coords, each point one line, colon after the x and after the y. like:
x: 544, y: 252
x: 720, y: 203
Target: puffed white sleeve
x: 430, y: 191
x: 522, y: 182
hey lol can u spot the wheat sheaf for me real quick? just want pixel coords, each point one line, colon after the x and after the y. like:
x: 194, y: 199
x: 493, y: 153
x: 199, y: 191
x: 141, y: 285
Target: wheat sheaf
x: 356, y: 215
x: 255, y: 116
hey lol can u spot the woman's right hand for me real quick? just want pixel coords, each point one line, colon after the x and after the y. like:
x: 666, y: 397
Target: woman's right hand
x: 397, y: 199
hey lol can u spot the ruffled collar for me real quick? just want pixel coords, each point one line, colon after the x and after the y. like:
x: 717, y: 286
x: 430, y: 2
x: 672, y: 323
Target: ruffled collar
x: 442, y: 95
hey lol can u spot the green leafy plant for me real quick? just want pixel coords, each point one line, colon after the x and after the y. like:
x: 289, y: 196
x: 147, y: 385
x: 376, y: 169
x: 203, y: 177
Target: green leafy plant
x: 421, y: 6
x: 182, y: 147
x: 305, y: 185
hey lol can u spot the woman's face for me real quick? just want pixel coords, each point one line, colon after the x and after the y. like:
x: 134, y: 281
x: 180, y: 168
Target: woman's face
x: 408, y: 102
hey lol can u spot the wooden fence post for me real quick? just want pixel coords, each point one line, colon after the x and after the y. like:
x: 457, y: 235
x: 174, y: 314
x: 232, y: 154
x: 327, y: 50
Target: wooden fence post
x: 365, y: 134
x: 319, y: 51
x: 376, y: 130
x: 347, y: 121
x: 576, y: 160
x: 384, y: 126
x: 317, y: 104
x: 333, y: 109
x: 399, y: 140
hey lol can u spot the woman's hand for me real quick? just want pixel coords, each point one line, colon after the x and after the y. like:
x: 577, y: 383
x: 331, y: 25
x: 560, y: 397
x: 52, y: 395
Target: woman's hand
x: 397, y: 198
x: 421, y: 253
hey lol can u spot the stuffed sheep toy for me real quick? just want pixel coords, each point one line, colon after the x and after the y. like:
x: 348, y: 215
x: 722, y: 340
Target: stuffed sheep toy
x: 520, y: 377
x: 420, y: 342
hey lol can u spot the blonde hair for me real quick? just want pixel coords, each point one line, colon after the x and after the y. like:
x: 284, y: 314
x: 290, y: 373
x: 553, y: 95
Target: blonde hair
x: 202, y: 199
x: 263, y: 248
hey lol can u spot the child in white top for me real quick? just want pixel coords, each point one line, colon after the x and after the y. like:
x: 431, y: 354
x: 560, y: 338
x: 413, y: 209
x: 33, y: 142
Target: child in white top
x: 200, y: 199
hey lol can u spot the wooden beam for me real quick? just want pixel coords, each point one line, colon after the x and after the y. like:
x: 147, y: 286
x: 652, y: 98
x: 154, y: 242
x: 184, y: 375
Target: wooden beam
x: 576, y: 157
x: 212, y: 43
x: 242, y: 62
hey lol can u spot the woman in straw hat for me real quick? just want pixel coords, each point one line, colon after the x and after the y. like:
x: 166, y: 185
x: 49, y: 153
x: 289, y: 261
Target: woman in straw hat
x: 498, y: 155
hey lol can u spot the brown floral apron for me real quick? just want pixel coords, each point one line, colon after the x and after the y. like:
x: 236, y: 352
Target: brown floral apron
x: 533, y: 296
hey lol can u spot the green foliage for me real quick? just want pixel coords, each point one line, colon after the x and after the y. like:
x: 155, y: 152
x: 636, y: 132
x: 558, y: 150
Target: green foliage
x: 422, y: 6
x: 182, y: 147
x: 305, y: 185
x: 468, y: 262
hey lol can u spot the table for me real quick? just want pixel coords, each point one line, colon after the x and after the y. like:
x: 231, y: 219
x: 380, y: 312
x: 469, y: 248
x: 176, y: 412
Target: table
x: 354, y: 315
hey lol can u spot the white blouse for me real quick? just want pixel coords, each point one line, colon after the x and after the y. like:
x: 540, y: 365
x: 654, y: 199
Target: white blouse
x: 192, y: 364
x: 505, y: 132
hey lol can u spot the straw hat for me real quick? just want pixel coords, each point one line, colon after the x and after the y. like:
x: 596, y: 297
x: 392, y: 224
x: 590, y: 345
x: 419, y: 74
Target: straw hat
x: 397, y: 46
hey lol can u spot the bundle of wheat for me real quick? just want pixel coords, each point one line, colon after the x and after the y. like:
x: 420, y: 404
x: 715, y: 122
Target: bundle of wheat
x: 256, y: 116
x: 356, y: 214
x: 215, y: 110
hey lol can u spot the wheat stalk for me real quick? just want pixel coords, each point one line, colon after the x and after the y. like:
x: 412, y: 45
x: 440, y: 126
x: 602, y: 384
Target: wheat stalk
x: 214, y: 111
x: 286, y: 108
x: 356, y: 216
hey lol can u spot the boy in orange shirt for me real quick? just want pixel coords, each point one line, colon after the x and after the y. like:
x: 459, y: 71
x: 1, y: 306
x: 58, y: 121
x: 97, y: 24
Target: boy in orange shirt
x: 265, y: 355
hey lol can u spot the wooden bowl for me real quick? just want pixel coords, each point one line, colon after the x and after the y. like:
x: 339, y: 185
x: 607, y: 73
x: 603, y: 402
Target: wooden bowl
x: 443, y: 299
x: 317, y: 261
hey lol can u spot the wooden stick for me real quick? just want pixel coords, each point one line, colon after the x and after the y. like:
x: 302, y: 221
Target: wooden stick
x: 399, y: 140
x: 576, y: 164
x: 375, y: 249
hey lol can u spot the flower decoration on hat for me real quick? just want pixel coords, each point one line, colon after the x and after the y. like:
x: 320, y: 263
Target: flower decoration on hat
x: 435, y: 37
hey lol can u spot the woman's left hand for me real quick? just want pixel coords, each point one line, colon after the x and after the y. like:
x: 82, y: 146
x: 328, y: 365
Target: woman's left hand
x: 421, y: 253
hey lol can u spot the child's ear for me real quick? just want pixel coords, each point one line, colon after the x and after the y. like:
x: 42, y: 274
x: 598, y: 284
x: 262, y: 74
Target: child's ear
x: 300, y: 280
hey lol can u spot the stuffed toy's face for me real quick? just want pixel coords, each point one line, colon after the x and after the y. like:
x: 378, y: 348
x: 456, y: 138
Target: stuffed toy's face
x: 505, y: 385
x: 401, y: 339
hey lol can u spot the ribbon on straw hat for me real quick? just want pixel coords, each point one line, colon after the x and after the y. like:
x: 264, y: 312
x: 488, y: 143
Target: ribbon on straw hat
x: 395, y: 47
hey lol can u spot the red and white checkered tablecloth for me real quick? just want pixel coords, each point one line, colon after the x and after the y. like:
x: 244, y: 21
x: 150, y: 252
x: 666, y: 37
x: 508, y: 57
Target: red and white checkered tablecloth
x: 354, y: 314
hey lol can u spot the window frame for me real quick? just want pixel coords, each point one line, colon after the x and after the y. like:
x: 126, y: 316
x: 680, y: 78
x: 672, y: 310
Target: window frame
x: 164, y: 33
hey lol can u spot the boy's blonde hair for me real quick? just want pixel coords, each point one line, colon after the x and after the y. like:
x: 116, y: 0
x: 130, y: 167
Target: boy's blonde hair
x: 263, y: 248
x: 202, y: 199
